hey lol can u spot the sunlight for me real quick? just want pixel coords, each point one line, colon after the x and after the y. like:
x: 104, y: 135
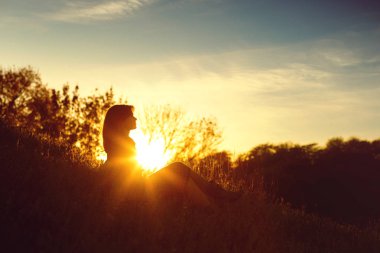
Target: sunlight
x: 102, y: 156
x: 150, y: 155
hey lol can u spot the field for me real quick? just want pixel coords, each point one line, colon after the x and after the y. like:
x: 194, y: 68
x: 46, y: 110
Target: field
x: 52, y: 200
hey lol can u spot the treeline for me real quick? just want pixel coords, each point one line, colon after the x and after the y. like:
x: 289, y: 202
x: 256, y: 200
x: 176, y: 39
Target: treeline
x: 340, y: 180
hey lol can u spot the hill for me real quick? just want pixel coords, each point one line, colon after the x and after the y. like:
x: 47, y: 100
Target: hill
x: 51, y: 200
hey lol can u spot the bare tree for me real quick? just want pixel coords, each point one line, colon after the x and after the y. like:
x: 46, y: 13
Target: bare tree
x: 189, y: 139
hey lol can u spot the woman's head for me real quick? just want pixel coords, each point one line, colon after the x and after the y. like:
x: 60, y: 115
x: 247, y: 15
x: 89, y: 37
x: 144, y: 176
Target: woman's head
x: 118, y: 122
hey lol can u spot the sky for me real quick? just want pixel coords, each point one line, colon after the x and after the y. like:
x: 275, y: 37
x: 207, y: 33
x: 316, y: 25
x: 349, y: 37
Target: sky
x: 268, y: 71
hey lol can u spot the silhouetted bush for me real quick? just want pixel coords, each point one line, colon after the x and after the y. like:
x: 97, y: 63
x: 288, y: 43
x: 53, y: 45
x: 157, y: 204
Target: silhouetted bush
x: 341, y: 180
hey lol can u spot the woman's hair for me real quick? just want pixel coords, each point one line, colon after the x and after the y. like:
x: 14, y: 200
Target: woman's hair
x: 113, y: 124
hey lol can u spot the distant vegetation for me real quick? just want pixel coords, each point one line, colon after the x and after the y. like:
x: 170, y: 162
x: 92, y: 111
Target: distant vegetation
x: 299, y: 198
x: 341, y: 180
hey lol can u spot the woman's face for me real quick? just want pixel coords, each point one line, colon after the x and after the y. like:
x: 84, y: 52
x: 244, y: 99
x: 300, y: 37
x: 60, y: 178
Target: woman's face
x: 130, y: 122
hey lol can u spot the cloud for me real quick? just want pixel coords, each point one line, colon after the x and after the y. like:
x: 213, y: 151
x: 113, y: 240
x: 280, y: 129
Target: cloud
x: 106, y: 10
x: 303, y: 92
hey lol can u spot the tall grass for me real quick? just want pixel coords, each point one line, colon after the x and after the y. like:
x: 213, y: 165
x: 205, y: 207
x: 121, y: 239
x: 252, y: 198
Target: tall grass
x: 51, y: 200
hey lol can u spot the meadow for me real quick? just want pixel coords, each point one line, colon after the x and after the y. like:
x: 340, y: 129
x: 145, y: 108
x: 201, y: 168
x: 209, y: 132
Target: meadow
x: 54, y: 200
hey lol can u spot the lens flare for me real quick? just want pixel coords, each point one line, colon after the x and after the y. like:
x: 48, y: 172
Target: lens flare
x: 151, y: 155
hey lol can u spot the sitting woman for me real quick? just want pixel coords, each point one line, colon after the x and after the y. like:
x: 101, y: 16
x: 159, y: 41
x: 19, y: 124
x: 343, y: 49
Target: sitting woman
x: 175, y: 180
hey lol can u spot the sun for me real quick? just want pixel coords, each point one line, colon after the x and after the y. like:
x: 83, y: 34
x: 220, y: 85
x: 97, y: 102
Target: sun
x: 102, y: 156
x: 151, y: 155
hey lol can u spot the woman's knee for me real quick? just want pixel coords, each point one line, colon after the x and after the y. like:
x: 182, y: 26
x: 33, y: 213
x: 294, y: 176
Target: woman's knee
x: 174, y: 170
x: 177, y: 164
x: 179, y: 168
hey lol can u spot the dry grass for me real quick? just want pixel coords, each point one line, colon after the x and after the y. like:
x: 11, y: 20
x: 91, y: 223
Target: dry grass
x: 51, y: 202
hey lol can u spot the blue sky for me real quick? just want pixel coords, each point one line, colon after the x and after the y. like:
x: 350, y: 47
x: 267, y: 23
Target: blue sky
x: 269, y: 71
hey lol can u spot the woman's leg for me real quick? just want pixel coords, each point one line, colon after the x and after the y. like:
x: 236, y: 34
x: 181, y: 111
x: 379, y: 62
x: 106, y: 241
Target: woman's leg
x: 178, y: 180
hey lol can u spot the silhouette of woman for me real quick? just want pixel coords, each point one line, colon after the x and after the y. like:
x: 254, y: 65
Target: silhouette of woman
x: 120, y: 148
x: 175, y: 179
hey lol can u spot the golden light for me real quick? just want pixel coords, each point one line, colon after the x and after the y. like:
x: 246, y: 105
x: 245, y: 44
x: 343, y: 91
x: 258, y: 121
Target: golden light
x: 102, y: 156
x: 151, y: 155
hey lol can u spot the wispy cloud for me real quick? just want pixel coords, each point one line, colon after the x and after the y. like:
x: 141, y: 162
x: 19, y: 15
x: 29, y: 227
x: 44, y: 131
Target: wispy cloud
x: 105, y: 10
x: 321, y: 89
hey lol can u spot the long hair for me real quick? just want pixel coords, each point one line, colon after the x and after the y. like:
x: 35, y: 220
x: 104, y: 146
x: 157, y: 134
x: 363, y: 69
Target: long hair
x: 113, y: 125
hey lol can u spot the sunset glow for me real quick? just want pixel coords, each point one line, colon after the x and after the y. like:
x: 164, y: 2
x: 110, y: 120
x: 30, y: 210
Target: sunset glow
x: 261, y: 68
x: 202, y: 125
x: 151, y: 155
x: 102, y: 156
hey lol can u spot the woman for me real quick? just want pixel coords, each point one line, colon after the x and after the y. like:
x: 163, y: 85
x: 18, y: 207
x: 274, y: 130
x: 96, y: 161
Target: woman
x: 176, y: 180
x: 120, y: 148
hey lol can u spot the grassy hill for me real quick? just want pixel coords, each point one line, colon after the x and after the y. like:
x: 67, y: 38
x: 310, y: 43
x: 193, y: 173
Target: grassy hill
x: 53, y: 201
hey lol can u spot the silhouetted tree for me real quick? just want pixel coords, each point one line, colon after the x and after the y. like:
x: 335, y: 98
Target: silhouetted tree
x: 60, y: 115
x: 18, y: 87
x: 190, y: 139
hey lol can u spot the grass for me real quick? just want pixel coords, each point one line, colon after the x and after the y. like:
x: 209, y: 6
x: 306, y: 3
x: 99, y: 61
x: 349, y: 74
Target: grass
x: 54, y: 201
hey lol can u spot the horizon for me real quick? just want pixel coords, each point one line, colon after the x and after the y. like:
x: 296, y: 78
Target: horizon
x: 268, y: 72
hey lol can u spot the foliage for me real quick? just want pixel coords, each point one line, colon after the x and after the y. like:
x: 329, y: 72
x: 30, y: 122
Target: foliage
x: 18, y: 87
x: 190, y: 139
x: 60, y: 115
x: 340, y: 181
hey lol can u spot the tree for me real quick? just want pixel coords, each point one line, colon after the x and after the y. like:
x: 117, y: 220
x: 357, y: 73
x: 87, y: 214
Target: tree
x: 17, y: 87
x: 189, y: 139
x: 60, y: 115
x: 92, y: 112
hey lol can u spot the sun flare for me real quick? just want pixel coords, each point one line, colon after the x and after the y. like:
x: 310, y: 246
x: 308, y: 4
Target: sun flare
x: 151, y: 155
